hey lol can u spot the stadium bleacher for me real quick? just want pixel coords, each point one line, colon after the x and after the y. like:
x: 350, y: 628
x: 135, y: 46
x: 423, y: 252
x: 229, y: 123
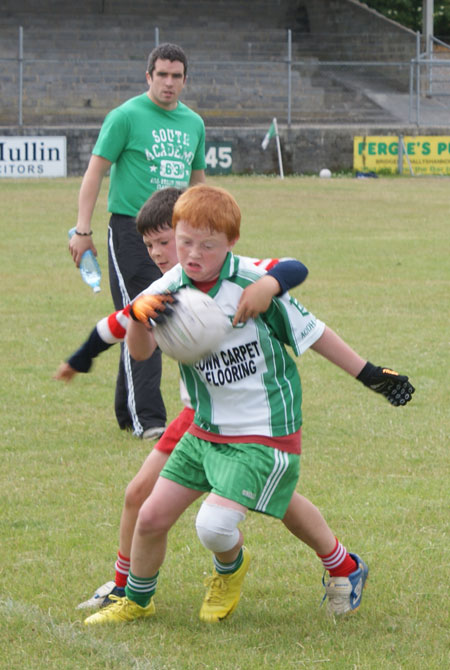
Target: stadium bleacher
x: 81, y: 60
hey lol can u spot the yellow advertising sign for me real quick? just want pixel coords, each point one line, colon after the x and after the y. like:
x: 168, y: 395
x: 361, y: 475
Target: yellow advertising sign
x: 425, y: 155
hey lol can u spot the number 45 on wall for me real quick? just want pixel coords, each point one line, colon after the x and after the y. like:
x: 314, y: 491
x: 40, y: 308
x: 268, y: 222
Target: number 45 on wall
x: 218, y: 157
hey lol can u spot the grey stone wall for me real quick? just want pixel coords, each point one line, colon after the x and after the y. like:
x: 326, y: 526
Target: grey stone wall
x: 349, y: 31
x: 305, y: 149
x: 353, y: 31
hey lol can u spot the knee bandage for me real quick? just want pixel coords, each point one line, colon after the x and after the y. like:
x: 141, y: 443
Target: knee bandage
x: 217, y: 527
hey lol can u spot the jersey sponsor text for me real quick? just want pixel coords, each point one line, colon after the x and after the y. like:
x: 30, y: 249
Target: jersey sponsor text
x: 230, y: 365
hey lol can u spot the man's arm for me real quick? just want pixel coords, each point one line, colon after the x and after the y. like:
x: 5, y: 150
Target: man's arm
x: 197, y: 177
x: 89, y: 190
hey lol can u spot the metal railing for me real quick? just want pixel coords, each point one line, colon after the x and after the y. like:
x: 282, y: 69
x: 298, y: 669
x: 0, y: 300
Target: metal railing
x: 422, y: 80
x: 418, y: 76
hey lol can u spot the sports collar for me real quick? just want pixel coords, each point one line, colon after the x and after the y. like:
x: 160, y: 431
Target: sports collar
x: 229, y: 268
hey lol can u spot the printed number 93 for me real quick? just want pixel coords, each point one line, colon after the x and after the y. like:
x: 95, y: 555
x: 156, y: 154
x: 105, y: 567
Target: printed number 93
x: 173, y: 169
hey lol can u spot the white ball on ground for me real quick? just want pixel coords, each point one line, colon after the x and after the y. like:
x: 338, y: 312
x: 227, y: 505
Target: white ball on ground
x: 325, y: 173
x: 196, y: 327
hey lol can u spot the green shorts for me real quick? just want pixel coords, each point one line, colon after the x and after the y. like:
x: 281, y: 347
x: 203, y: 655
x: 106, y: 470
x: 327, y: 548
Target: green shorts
x: 258, y: 477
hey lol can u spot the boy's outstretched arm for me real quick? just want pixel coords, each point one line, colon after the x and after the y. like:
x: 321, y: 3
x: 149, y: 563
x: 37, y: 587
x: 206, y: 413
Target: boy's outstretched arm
x: 394, y: 387
x: 256, y: 298
x: 65, y: 372
x: 334, y: 349
x: 108, y: 331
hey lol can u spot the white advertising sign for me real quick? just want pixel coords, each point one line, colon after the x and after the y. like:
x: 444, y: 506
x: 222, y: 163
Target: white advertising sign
x: 29, y: 156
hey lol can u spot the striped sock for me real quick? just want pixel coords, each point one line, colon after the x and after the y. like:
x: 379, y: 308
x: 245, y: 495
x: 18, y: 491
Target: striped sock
x: 228, y: 568
x: 339, y: 563
x: 122, y: 569
x: 140, y: 589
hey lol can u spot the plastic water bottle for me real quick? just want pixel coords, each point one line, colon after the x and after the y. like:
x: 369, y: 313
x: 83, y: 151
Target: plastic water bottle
x: 89, y: 268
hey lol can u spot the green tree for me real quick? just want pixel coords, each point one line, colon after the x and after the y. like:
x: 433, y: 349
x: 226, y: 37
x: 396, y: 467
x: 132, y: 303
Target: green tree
x: 409, y: 14
x: 442, y: 20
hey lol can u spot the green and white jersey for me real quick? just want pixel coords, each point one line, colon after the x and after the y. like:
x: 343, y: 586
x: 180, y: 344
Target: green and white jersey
x: 150, y: 149
x: 250, y: 385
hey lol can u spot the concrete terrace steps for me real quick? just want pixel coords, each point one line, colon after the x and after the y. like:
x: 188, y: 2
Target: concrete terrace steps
x: 81, y: 64
x: 100, y: 41
x: 257, y: 12
x: 214, y: 89
x: 87, y: 96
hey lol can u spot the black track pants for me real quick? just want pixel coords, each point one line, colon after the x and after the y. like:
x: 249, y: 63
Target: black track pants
x: 138, y: 400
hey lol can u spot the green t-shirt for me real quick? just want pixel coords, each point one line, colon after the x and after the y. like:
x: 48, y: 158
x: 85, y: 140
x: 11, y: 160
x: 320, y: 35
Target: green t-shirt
x: 150, y: 149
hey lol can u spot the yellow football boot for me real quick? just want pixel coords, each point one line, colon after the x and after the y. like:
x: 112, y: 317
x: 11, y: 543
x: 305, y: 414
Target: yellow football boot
x: 224, y: 592
x: 121, y: 609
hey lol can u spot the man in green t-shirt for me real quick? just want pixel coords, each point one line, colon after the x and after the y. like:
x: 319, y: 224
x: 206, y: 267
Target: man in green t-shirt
x: 150, y: 142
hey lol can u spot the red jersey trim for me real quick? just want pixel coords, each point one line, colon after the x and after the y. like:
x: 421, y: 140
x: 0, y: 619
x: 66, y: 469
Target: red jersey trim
x: 290, y: 443
x: 116, y: 328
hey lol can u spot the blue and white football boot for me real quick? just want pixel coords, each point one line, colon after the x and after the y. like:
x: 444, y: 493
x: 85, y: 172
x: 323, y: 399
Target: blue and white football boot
x: 101, y: 596
x: 344, y: 594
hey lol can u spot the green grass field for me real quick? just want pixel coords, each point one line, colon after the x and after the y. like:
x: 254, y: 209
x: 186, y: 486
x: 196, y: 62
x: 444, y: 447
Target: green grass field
x: 378, y: 256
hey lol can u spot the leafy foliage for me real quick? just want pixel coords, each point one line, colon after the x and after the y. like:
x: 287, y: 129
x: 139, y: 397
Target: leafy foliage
x: 409, y: 14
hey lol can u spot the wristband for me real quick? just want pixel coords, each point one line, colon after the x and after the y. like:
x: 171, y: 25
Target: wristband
x: 366, y: 374
x: 83, y: 234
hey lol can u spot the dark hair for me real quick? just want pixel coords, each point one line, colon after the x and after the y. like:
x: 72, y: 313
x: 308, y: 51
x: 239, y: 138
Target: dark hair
x: 166, y: 51
x: 156, y: 212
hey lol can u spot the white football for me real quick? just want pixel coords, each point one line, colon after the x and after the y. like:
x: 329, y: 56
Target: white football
x: 325, y: 173
x: 194, y: 329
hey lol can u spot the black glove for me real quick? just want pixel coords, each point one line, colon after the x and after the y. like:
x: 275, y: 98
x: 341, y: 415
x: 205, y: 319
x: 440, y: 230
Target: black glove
x: 396, y: 388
